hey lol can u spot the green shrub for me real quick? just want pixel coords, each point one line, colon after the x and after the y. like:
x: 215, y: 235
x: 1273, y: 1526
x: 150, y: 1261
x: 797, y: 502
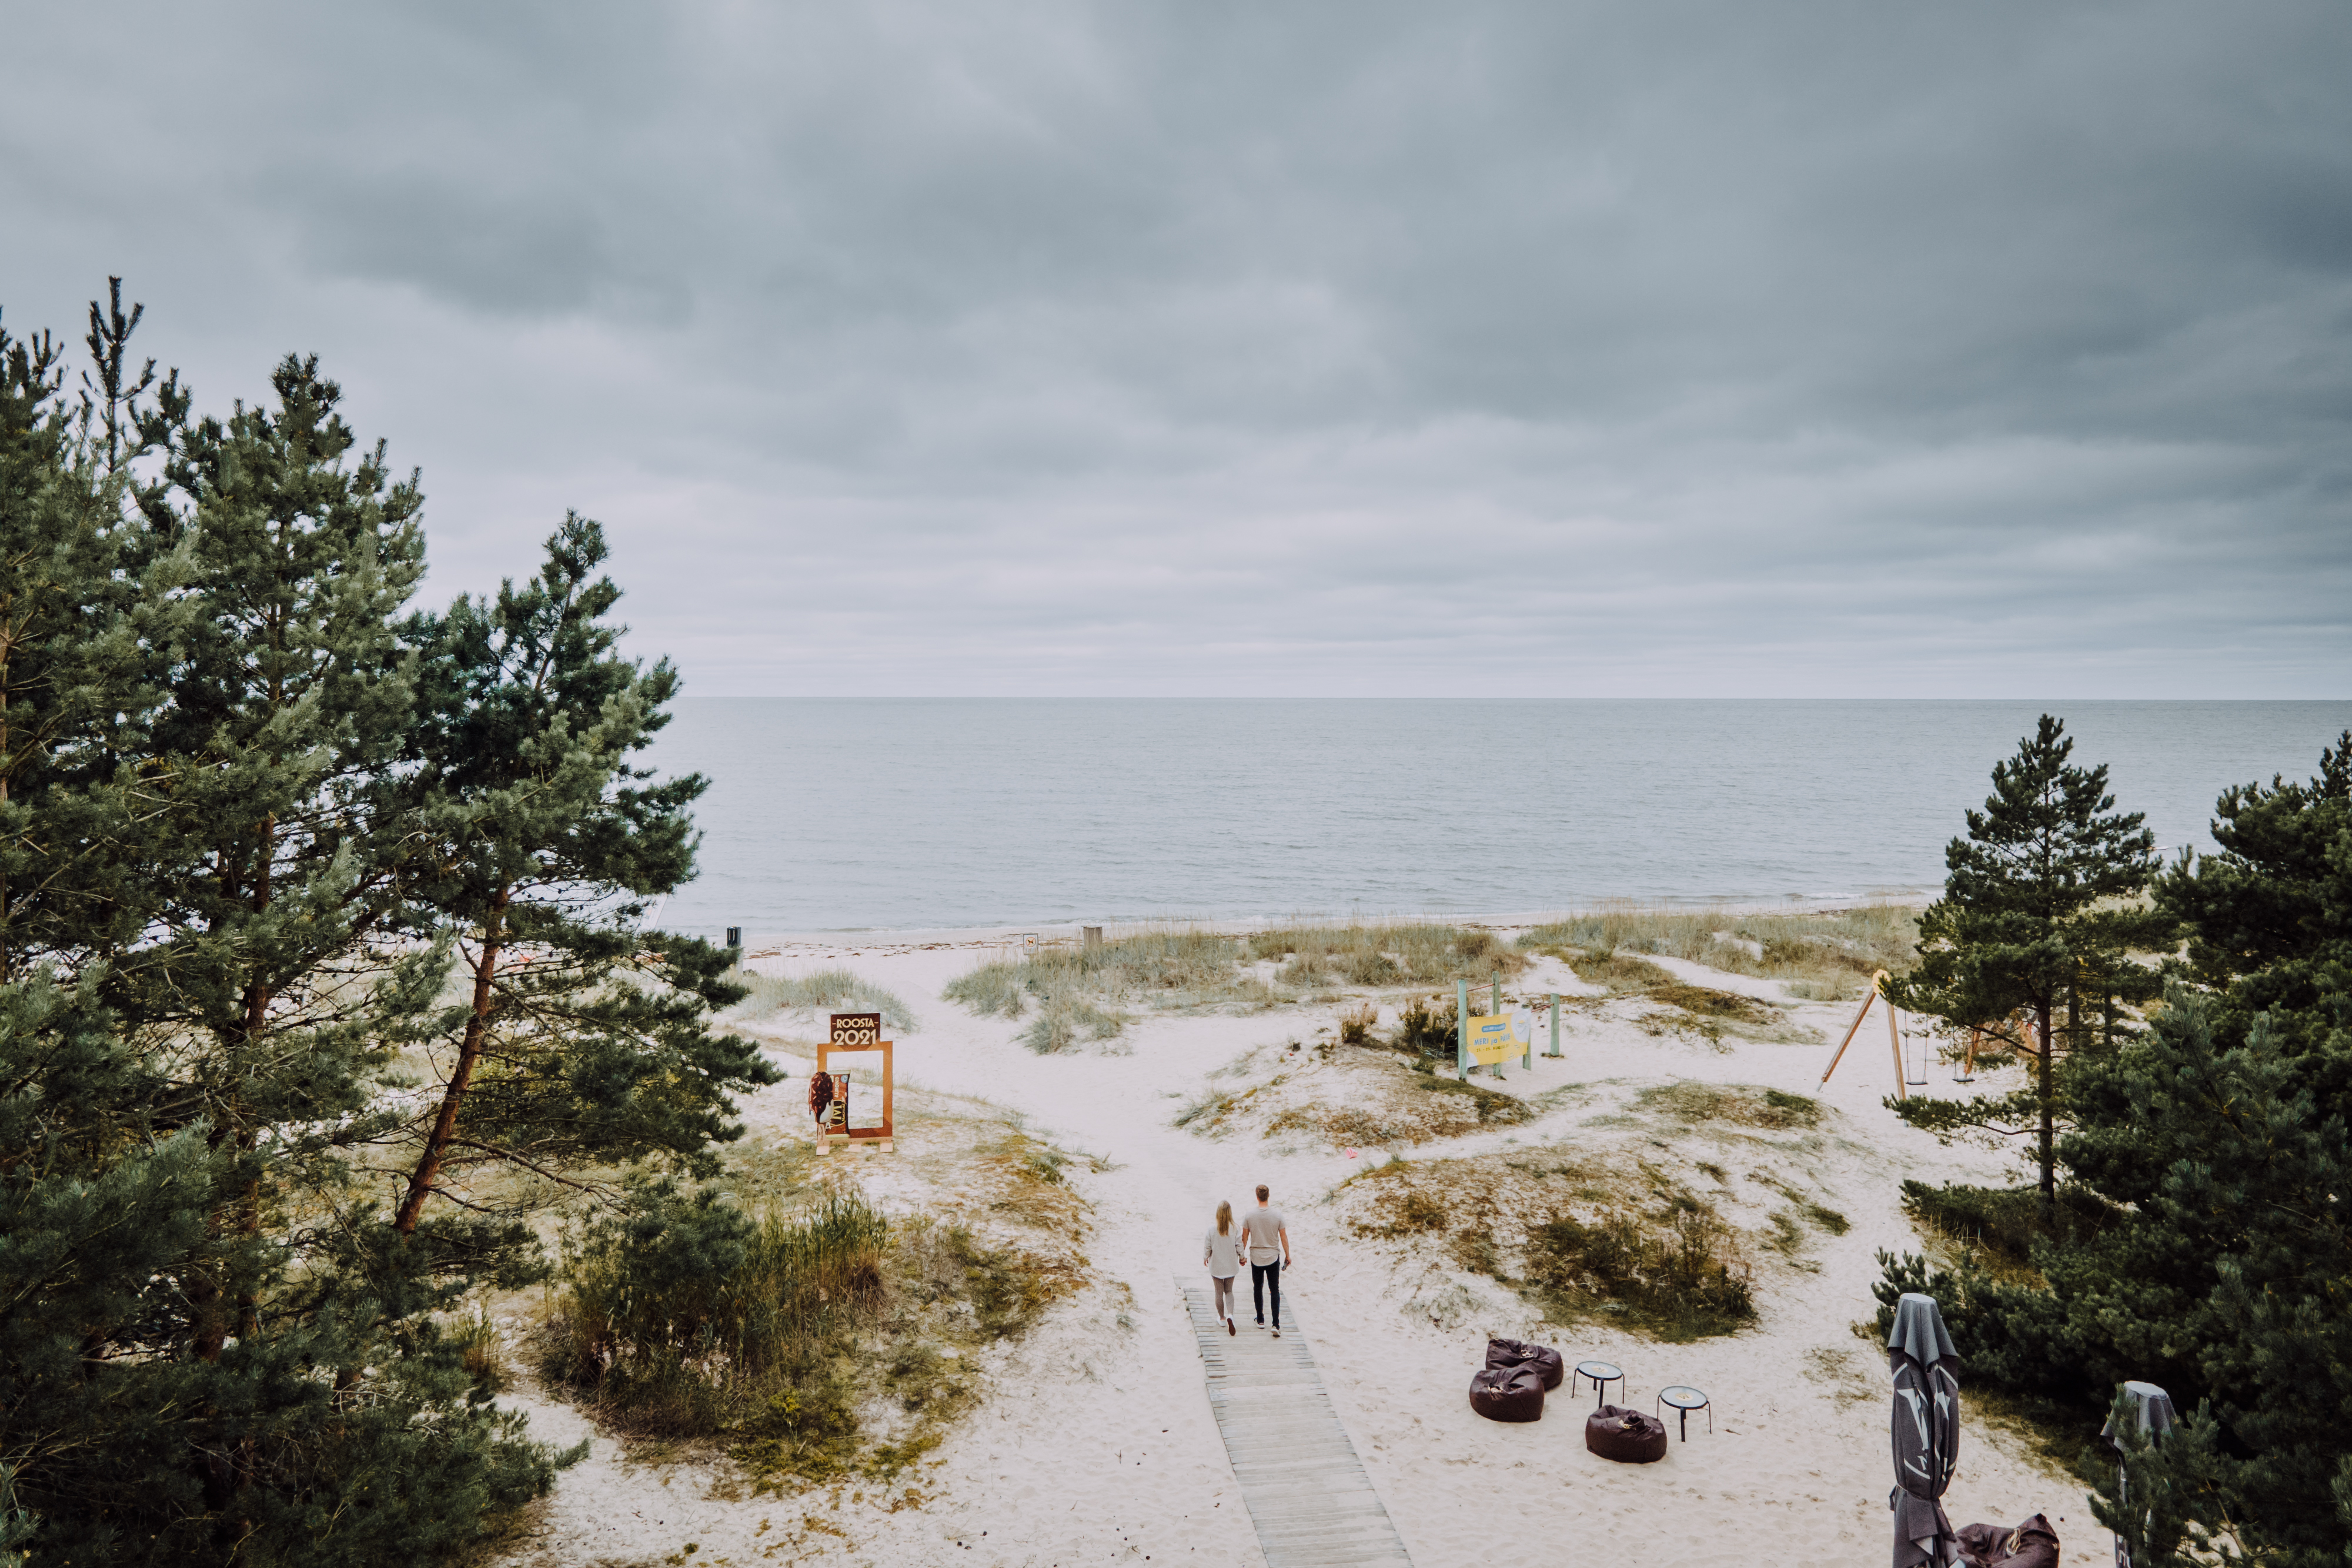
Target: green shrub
x: 2006, y: 1222
x: 685, y: 1314
x: 1677, y: 1271
x: 1427, y: 1027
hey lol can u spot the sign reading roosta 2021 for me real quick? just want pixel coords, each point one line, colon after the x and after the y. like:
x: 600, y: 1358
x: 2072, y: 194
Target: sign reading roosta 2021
x: 856, y: 1034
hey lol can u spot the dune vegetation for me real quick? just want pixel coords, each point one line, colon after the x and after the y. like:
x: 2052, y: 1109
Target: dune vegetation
x: 1824, y: 956
x: 1384, y: 954
x: 1582, y: 1238
x: 1089, y: 993
x: 788, y: 1318
x: 824, y: 990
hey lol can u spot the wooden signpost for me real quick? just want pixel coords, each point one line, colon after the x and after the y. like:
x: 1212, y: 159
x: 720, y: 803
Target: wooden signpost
x: 1485, y: 1039
x: 854, y: 1034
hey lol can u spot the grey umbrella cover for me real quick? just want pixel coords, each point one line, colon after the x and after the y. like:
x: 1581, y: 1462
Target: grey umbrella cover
x: 2153, y: 1406
x: 1926, y: 1432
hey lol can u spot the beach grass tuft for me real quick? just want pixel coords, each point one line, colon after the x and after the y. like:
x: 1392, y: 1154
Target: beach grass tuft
x: 1084, y: 992
x: 1824, y: 956
x: 825, y: 991
x: 1388, y: 955
x: 1062, y: 1020
x: 1177, y: 969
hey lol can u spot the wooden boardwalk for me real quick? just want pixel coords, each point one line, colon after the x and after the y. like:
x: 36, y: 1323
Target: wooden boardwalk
x: 1306, y: 1491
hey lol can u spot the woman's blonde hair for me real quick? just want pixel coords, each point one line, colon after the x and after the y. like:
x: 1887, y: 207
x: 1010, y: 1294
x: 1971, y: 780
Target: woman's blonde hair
x: 1224, y: 1219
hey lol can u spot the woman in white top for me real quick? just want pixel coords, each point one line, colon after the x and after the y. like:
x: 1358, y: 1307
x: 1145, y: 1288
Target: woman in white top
x: 1221, y: 1253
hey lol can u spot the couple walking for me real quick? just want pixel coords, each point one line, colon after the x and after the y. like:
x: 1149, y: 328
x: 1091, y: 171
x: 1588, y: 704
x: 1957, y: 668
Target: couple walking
x: 1266, y: 1240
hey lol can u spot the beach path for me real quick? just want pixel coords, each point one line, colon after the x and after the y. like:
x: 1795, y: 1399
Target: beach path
x: 1308, y: 1494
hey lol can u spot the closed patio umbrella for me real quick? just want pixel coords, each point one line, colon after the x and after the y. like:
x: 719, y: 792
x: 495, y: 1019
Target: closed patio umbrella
x: 2153, y: 1408
x: 1926, y: 1430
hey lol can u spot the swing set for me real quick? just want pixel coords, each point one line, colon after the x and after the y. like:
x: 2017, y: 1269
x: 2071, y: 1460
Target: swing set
x: 1895, y: 1040
x: 1894, y: 1036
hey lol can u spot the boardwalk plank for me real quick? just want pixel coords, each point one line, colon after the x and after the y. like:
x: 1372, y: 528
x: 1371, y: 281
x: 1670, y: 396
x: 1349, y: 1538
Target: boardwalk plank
x: 1307, y: 1491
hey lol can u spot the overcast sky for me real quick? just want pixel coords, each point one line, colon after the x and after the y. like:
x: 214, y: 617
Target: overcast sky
x: 1288, y: 348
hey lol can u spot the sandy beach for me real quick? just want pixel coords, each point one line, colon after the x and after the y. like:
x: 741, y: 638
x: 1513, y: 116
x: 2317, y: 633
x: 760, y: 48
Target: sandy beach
x: 1094, y: 1441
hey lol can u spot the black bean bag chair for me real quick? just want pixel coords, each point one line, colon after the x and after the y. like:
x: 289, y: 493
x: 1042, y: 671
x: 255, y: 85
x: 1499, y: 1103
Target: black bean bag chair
x: 1628, y: 1436
x: 1508, y: 1394
x: 1517, y: 1353
x: 2032, y: 1544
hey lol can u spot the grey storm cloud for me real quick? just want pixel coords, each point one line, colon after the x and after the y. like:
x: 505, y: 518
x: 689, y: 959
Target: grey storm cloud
x: 1531, y: 349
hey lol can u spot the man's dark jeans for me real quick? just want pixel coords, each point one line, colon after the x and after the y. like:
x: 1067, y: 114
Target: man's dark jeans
x: 1266, y: 1276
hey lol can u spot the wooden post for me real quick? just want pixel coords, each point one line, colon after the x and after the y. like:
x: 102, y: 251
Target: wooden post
x: 1495, y: 1009
x: 1090, y: 935
x: 1969, y: 1073
x: 1894, y: 1040
x: 1462, y: 1030
x: 1854, y: 1027
x: 1555, y: 1025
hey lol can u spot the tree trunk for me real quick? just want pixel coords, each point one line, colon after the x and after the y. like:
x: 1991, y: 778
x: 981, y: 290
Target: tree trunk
x: 469, y: 1051
x: 2049, y: 1115
x: 8, y: 928
x: 257, y: 997
x: 209, y: 1330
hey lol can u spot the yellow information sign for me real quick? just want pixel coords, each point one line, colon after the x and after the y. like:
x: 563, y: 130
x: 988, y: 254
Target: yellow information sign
x: 1491, y: 1040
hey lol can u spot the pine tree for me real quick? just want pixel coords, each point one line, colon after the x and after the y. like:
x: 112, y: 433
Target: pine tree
x: 289, y: 700
x: 2211, y: 1151
x: 2032, y: 925
x: 2265, y: 929
x: 578, y: 1041
x: 100, y: 1202
x: 197, y: 1364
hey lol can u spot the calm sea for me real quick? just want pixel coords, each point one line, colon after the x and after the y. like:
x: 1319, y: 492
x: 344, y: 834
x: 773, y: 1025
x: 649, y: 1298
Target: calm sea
x: 857, y: 814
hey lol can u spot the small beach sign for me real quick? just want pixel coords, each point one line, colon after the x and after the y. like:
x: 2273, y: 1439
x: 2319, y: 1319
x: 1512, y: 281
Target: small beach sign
x: 1491, y: 1038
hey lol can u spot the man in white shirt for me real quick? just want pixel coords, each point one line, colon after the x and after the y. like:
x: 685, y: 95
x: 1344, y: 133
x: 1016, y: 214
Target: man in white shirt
x: 1269, y: 1249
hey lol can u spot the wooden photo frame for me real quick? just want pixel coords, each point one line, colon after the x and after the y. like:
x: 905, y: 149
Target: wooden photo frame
x: 859, y: 1034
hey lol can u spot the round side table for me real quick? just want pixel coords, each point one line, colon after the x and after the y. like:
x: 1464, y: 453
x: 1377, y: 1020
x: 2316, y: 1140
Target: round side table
x: 1686, y: 1400
x: 1603, y: 1374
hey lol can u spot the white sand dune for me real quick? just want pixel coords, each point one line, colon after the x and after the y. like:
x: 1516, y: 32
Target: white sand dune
x: 1096, y: 1444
